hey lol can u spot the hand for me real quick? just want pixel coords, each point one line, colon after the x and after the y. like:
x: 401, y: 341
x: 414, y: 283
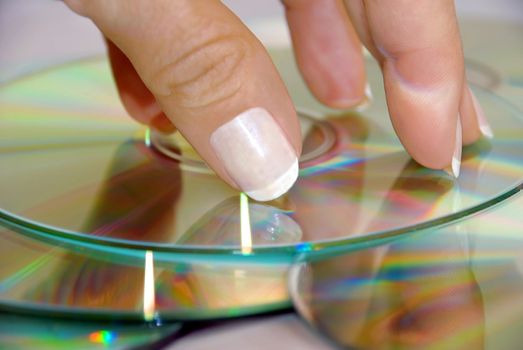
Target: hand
x: 192, y: 64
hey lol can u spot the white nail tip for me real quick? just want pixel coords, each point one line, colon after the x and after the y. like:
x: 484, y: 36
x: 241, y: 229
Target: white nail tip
x: 456, y: 157
x: 483, y: 123
x: 486, y: 131
x: 367, y: 101
x: 368, y: 92
x: 256, y: 154
x: 278, y: 187
x: 456, y: 165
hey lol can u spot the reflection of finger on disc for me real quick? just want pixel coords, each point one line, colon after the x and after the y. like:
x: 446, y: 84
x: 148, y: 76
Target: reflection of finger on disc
x: 405, y: 293
x: 45, y: 279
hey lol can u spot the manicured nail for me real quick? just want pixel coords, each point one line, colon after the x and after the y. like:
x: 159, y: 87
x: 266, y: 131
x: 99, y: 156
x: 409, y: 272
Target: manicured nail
x: 256, y: 154
x: 367, y: 100
x: 368, y: 92
x: 484, y: 125
x: 456, y: 157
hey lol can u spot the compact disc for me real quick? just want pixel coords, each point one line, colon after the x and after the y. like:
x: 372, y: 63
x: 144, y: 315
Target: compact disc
x: 101, y: 218
x: 456, y: 287
x: 75, y: 166
x: 23, y: 332
x: 114, y: 283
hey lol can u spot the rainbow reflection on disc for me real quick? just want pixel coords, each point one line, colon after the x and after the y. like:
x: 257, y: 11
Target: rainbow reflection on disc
x: 456, y: 287
x: 23, y: 332
x: 110, y: 283
x: 76, y: 167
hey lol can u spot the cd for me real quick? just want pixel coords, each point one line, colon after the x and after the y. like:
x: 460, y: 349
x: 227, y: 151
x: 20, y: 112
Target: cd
x: 76, y: 167
x: 22, y: 332
x: 101, y: 218
x: 99, y: 283
x: 457, y: 287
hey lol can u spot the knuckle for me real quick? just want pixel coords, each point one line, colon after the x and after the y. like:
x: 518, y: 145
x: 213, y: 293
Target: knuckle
x: 207, y: 73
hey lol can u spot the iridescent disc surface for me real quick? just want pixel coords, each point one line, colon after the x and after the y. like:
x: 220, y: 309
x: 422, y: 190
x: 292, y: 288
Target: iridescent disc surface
x: 74, y: 165
x: 457, y: 287
x: 109, y: 283
x: 27, y: 333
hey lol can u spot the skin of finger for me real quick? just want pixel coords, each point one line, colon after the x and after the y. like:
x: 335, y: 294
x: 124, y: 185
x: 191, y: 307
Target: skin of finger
x: 358, y: 16
x: 469, y: 118
x: 203, y: 66
x: 328, y: 51
x: 136, y: 98
x: 423, y: 73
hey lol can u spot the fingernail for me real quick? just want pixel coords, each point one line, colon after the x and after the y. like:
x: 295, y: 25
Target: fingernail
x: 368, y: 92
x: 456, y: 157
x: 484, y: 125
x: 256, y: 154
x: 367, y: 100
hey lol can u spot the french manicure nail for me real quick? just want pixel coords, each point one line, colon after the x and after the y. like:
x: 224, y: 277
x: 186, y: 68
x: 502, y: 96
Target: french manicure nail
x: 256, y: 154
x: 367, y: 100
x: 368, y: 92
x: 456, y: 157
x: 484, y: 125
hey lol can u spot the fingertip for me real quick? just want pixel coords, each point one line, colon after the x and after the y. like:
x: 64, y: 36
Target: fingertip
x: 483, y: 123
x: 469, y: 117
x: 256, y: 153
x: 338, y: 99
x: 424, y: 117
x: 329, y: 57
x: 218, y: 85
x: 278, y: 187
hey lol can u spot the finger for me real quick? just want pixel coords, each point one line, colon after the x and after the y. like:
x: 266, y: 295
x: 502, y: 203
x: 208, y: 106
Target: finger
x: 136, y: 98
x: 475, y: 123
x: 215, y: 81
x: 422, y: 62
x: 358, y: 16
x: 328, y: 51
x: 469, y: 119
